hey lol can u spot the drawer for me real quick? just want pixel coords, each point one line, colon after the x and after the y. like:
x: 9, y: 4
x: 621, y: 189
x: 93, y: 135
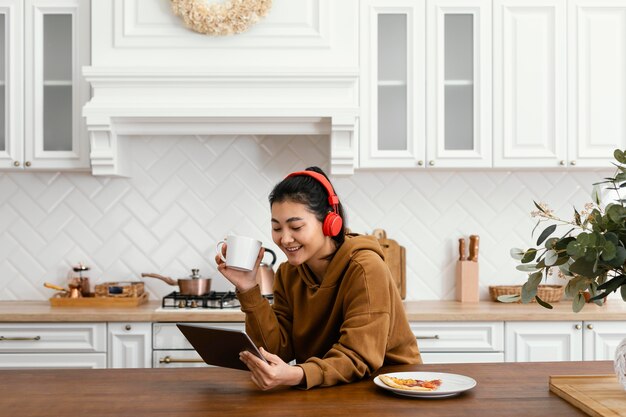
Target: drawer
x: 168, y: 336
x: 462, y: 357
x: 53, y: 360
x: 459, y: 336
x: 176, y: 359
x: 52, y: 337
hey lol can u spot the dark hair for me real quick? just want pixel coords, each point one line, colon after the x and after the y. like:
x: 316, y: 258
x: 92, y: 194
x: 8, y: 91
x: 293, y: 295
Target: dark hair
x: 310, y: 192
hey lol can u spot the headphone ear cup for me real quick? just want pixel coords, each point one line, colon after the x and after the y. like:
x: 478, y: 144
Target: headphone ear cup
x: 332, y: 224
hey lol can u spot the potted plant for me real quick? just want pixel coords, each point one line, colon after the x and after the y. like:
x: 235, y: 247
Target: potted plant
x: 590, y: 250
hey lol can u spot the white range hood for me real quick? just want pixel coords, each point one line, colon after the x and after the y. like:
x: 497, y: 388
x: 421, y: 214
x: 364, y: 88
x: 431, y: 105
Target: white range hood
x: 174, y: 101
x: 295, y: 72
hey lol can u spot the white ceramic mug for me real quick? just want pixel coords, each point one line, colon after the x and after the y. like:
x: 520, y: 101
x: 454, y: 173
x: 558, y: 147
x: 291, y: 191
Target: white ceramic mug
x: 241, y: 253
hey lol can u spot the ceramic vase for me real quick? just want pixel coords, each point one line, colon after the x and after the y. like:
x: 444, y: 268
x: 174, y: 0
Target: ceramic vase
x: 620, y: 363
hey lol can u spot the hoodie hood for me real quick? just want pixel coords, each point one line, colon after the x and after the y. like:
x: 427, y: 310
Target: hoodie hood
x: 352, y: 246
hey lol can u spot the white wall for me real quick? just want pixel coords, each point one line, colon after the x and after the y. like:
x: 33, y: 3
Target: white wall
x: 186, y: 193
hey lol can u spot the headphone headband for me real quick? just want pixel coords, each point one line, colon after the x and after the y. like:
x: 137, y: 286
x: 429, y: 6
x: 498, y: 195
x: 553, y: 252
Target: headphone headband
x: 333, y: 200
x: 333, y: 223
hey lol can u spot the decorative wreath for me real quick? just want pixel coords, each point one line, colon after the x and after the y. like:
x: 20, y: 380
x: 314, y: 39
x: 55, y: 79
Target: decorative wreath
x: 219, y: 19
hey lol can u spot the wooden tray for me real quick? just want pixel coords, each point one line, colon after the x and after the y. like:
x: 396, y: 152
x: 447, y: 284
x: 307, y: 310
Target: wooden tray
x: 99, y: 301
x: 596, y: 395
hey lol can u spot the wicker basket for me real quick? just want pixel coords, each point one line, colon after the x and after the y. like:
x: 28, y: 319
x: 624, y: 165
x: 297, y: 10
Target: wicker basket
x: 548, y: 293
x: 120, y: 289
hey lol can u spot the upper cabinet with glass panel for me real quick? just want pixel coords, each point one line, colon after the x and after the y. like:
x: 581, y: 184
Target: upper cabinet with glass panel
x: 48, y: 44
x: 427, y: 84
x: 458, y: 82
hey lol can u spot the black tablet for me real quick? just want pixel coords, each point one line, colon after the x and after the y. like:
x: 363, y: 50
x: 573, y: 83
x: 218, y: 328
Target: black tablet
x: 220, y: 347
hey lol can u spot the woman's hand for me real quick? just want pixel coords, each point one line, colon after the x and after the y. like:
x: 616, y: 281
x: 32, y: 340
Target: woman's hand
x: 273, y: 374
x: 243, y: 280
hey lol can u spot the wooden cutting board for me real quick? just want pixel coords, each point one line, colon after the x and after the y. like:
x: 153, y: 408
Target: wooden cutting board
x: 99, y: 301
x: 596, y: 395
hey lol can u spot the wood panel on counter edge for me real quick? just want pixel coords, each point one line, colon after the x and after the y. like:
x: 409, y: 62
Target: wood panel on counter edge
x: 431, y: 311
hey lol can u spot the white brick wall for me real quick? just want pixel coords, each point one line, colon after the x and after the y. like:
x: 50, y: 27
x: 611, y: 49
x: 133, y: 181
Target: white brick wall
x: 186, y: 193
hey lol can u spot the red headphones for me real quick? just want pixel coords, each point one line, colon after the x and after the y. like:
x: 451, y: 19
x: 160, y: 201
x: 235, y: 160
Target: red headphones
x: 332, y: 223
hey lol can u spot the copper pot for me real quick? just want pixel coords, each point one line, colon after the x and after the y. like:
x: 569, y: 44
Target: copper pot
x: 195, y: 285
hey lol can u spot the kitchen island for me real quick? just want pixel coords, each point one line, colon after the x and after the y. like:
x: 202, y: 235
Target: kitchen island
x: 504, y: 389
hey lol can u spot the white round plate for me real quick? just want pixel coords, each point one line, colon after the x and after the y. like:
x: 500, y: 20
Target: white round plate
x: 451, y: 384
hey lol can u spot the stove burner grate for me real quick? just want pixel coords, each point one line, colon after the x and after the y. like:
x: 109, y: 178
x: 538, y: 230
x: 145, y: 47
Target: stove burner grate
x: 214, y: 299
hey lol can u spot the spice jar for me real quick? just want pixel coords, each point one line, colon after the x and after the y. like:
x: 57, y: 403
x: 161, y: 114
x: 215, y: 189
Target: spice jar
x: 79, y: 280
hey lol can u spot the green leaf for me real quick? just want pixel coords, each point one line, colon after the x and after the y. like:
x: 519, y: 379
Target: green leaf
x: 578, y: 303
x: 563, y: 242
x: 623, y: 292
x: 547, y: 232
x: 551, y: 257
x: 543, y: 303
x: 509, y: 298
x: 609, y: 251
x: 619, y: 156
x: 575, y: 285
x: 527, y: 267
x: 551, y: 242
x: 517, y: 253
x: 583, y: 267
x: 538, y: 207
x: 620, y: 257
x: 577, y: 219
x: 613, y: 284
x: 529, y: 289
x: 596, y: 194
x: 529, y: 256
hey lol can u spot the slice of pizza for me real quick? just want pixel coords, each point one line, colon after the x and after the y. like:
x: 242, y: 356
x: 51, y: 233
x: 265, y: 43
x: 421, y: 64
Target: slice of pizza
x: 410, y: 384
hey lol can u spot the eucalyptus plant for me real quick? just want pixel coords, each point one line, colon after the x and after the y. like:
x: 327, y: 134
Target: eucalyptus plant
x: 591, y: 253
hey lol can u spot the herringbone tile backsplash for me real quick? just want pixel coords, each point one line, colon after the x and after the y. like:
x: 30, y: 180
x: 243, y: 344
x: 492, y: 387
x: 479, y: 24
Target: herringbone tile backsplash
x: 187, y: 193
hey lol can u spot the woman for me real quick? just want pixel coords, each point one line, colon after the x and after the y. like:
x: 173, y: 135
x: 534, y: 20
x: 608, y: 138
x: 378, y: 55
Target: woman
x: 336, y: 309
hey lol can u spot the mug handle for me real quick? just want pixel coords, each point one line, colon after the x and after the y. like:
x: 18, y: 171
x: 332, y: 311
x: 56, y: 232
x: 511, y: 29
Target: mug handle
x: 218, y: 248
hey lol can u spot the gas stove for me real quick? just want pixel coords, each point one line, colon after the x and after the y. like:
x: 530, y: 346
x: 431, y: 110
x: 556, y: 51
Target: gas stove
x: 214, y: 299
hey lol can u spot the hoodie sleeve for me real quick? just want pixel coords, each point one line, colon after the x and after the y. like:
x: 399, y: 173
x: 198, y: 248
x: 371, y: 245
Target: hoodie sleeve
x: 269, y: 326
x: 363, y: 338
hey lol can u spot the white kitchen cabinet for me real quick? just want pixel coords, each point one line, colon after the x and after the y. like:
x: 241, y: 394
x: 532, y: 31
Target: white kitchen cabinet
x: 53, y: 345
x: 393, y: 90
x: 529, y: 77
x: 426, y: 94
x: 559, y: 80
x: 460, y: 342
x: 600, y: 339
x: 44, y: 45
x: 562, y: 340
x: 129, y: 345
x: 458, y: 83
x: 172, y: 350
x: 597, y: 80
x: 543, y: 341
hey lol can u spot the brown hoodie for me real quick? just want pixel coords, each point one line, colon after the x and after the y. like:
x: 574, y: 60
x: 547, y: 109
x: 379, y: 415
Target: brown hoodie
x: 339, y: 331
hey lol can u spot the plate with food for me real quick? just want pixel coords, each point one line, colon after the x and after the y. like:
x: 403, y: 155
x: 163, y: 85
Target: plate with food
x: 425, y: 384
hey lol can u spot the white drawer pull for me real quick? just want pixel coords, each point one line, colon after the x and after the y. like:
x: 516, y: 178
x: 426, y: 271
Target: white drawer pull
x: 169, y: 359
x: 427, y: 337
x: 19, y: 338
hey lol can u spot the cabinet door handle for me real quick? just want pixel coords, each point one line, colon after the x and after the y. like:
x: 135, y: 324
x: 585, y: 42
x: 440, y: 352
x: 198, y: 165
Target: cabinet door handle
x: 578, y: 327
x: 427, y: 337
x: 590, y: 326
x: 18, y: 338
x: 169, y: 359
x: 27, y: 163
x: 16, y: 163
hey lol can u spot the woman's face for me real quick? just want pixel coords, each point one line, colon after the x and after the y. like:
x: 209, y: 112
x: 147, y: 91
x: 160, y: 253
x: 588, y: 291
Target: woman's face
x: 298, y: 233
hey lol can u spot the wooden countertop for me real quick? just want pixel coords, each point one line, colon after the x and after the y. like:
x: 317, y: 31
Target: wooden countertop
x: 504, y: 389
x: 41, y: 311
